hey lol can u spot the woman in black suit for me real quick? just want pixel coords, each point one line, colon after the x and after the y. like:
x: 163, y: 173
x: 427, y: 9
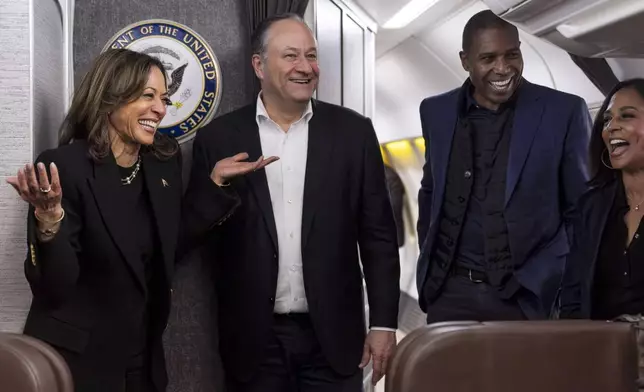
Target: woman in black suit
x: 604, y: 276
x: 103, y: 226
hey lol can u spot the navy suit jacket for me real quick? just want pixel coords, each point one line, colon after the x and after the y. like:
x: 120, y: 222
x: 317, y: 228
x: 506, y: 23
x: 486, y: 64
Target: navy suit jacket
x: 546, y: 174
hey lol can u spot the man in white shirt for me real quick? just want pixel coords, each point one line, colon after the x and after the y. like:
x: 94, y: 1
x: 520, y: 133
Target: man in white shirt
x: 285, y: 229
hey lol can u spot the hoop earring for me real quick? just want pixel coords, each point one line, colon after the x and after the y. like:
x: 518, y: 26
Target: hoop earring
x: 604, y: 161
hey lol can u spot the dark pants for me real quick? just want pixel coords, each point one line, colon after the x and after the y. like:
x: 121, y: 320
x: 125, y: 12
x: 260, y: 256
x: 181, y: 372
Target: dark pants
x: 137, y: 375
x: 464, y: 300
x: 294, y: 362
x: 138, y: 381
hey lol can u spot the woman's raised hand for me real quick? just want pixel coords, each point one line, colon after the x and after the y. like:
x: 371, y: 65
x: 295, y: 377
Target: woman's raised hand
x: 43, y: 193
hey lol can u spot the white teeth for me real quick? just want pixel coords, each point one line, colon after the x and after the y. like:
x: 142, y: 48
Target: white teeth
x: 618, y: 141
x: 301, y: 81
x: 502, y: 83
x: 148, y: 123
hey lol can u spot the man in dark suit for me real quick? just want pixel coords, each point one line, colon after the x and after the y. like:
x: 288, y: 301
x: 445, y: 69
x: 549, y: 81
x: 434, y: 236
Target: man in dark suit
x: 505, y: 159
x: 288, y: 276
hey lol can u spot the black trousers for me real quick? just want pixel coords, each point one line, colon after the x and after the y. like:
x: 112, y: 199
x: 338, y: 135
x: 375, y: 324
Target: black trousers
x: 464, y: 300
x: 137, y: 374
x: 138, y: 380
x: 294, y: 362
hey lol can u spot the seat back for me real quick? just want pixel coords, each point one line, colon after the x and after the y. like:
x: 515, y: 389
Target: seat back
x: 30, y: 365
x: 537, y: 356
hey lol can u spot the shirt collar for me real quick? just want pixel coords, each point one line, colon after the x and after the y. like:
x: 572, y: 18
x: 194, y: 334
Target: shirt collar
x: 262, y: 114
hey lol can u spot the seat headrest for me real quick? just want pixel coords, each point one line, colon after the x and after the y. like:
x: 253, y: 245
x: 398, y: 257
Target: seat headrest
x: 29, y: 365
x: 537, y: 356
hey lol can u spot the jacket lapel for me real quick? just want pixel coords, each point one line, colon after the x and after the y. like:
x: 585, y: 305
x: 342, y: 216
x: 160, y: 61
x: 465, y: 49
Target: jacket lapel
x: 440, y: 146
x: 165, y: 199
x: 527, y: 118
x: 106, y: 187
x: 597, y: 214
x: 250, y: 143
x: 322, y: 136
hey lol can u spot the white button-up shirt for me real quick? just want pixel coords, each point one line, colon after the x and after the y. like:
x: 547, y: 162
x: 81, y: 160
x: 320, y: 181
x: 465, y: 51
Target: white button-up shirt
x: 286, y: 186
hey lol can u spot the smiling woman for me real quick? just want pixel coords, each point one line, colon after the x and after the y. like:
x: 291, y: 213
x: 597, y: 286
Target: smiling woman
x: 606, y: 281
x: 129, y: 87
x: 103, y: 218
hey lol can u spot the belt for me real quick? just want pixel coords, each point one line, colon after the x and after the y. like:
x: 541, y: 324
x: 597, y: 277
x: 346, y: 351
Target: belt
x: 292, y: 316
x: 472, y: 275
x: 300, y: 319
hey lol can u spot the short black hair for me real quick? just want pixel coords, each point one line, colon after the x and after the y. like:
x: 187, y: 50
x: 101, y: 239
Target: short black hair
x: 258, y: 38
x: 484, y: 20
x: 600, y: 174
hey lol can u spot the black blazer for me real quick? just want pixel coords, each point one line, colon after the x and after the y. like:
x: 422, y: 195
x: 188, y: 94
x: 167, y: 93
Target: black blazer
x: 88, y: 278
x: 588, y: 222
x: 346, y: 204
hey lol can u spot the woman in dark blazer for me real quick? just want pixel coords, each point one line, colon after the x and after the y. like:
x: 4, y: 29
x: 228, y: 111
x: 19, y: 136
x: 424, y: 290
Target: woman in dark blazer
x: 604, y: 275
x: 103, y: 227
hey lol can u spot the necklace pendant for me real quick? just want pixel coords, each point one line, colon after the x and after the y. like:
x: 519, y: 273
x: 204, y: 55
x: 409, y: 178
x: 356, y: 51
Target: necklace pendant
x: 637, y: 207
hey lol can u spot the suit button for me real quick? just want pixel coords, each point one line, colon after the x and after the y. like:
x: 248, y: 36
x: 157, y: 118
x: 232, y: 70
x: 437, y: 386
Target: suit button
x: 461, y: 199
x: 271, y: 299
x: 467, y: 174
x: 454, y: 222
x: 450, y: 243
x: 274, y: 255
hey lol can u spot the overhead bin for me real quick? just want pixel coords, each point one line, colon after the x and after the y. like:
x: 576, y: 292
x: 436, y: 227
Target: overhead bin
x: 589, y: 28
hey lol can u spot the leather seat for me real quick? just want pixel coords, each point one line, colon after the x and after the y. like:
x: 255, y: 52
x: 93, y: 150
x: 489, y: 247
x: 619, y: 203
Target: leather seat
x: 537, y: 356
x: 30, y: 365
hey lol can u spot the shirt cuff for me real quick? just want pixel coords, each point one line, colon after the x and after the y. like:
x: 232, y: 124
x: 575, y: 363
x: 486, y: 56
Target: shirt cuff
x: 382, y: 329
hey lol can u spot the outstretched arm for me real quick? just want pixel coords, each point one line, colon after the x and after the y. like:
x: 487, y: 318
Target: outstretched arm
x: 210, y: 200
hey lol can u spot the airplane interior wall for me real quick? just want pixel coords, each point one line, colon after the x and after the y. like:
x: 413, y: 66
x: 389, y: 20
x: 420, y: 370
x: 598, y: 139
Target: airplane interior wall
x: 48, y: 74
x: 31, y: 109
x: 16, y: 147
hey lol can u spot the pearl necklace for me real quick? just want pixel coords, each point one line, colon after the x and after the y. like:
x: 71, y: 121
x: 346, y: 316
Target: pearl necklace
x: 128, y: 180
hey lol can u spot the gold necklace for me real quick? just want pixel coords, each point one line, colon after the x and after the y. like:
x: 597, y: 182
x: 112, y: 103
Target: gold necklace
x: 637, y: 206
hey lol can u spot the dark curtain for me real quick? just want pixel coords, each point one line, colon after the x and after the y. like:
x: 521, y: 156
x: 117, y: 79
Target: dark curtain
x: 257, y: 11
x: 598, y: 71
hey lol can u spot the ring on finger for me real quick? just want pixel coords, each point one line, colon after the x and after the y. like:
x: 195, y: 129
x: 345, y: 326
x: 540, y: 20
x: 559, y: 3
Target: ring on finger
x: 46, y: 190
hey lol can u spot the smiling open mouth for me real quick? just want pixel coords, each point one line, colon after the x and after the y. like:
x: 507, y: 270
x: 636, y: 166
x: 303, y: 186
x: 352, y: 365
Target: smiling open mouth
x: 302, y: 80
x: 502, y: 85
x: 618, y: 146
x: 149, y: 125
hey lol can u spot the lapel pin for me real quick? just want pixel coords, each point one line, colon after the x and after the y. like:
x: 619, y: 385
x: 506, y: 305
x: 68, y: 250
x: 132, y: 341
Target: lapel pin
x: 164, y: 182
